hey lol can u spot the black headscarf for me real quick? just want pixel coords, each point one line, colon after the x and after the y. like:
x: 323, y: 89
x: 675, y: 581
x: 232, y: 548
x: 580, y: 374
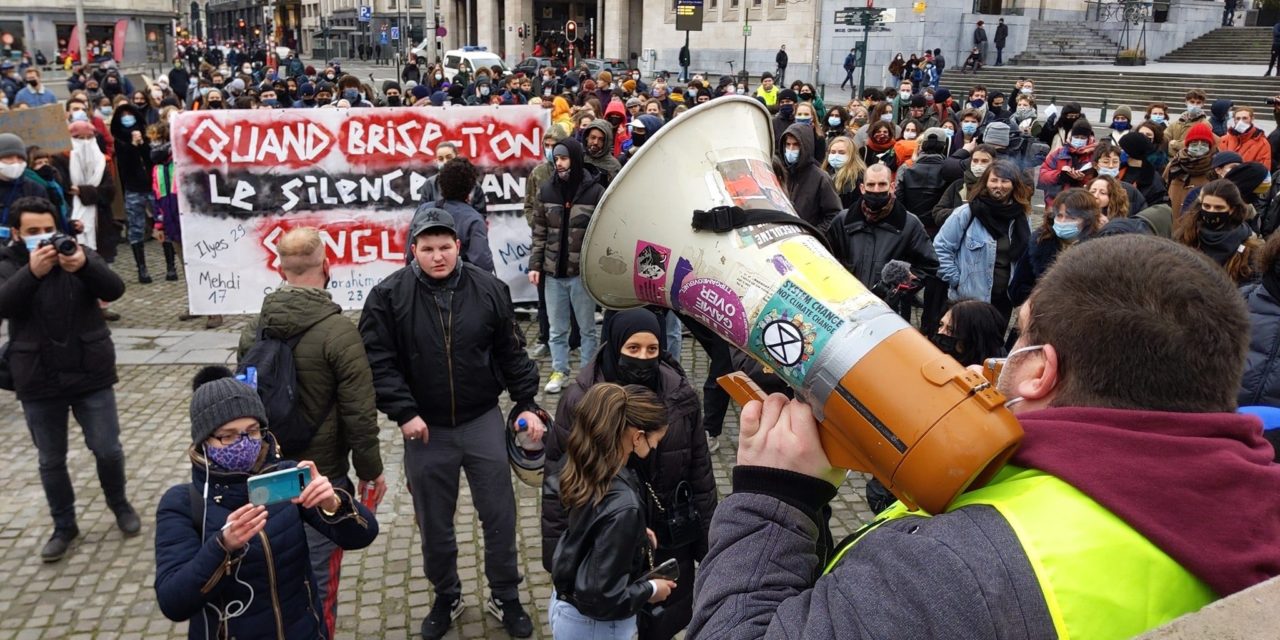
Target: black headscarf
x: 618, y: 328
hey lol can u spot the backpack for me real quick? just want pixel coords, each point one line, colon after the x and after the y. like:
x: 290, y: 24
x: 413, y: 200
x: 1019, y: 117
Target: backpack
x: 277, y: 383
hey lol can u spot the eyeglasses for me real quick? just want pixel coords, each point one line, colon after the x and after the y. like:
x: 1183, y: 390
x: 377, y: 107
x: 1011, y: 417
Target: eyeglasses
x: 255, y: 432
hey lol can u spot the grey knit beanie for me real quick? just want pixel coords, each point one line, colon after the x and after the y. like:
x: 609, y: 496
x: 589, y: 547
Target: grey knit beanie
x: 12, y: 145
x: 218, y: 398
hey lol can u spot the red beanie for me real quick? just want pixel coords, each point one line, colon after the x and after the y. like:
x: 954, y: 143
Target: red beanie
x: 1200, y: 132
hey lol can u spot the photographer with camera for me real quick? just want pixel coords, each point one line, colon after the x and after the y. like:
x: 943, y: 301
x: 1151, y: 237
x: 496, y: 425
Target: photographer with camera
x: 61, y: 358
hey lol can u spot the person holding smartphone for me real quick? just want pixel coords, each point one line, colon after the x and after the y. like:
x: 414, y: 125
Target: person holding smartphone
x: 600, y: 570
x: 236, y: 569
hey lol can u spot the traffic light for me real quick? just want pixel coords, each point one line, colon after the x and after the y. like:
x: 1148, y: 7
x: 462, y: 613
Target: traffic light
x: 241, y: 23
x: 257, y: 31
x: 571, y: 31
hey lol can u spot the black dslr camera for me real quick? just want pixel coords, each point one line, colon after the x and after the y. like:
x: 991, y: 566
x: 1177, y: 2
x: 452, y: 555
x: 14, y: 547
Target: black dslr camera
x: 65, y: 244
x: 1271, y: 101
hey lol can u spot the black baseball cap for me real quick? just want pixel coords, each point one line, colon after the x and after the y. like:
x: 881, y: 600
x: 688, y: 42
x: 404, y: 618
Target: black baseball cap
x: 429, y: 217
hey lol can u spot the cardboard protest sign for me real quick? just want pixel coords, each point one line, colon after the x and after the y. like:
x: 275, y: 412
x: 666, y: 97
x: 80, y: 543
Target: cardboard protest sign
x: 246, y: 177
x: 44, y: 127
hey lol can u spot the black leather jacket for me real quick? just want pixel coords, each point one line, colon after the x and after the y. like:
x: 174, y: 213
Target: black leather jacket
x: 604, y: 553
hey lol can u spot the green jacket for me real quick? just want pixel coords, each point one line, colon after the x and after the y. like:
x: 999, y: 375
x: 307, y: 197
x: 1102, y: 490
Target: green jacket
x: 330, y: 359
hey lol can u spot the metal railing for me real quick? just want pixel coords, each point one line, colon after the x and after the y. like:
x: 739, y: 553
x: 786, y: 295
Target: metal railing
x: 1133, y: 15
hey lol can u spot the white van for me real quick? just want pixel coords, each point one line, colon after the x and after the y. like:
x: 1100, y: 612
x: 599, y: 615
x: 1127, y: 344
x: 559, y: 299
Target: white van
x: 470, y: 59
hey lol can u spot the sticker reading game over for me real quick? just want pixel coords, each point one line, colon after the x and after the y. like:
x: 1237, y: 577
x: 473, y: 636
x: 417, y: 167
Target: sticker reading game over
x: 716, y: 306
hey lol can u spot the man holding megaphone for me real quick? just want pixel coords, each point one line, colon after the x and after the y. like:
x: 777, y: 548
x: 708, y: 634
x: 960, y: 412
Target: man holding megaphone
x: 1102, y: 525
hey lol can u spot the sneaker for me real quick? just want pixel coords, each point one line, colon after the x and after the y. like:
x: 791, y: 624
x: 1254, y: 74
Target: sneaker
x: 56, y: 548
x: 556, y: 383
x: 539, y: 351
x: 128, y: 521
x: 713, y: 443
x: 512, y: 615
x: 443, y: 613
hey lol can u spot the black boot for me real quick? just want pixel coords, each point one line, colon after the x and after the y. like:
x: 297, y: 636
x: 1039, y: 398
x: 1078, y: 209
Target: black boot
x: 170, y: 268
x: 140, y: 257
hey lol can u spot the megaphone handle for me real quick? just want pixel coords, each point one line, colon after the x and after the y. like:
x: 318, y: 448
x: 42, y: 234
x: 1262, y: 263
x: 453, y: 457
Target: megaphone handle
x: 741, y: 388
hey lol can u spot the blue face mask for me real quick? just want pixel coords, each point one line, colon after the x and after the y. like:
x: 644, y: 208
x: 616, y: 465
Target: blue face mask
x: 1079, y: 143
x: 791, y: 156
x: 240, y: 456
x: 549, y: 154
x: 1120, y: 125
x: 837, y: 160
x: 1113, y: 172
x: 33, y: 242
x: 1066, y: 230
x: 969, y: 128
x: 1158, y: 119
x: 834, y: 121
x: 128, y: 121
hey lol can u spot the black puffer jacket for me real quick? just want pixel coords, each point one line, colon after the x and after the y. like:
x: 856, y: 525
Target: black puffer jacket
x: 808, y: 186
x: 681, y: 456
x: 864, y: 247
x: 560, y: 221
x: 445, y: 350
x: 1261, y: 383
x: 59, y: 344
x: 603, y: 556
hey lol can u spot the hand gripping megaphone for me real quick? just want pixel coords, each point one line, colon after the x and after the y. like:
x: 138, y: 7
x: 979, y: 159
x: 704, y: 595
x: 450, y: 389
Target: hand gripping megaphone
x: 889, y: 402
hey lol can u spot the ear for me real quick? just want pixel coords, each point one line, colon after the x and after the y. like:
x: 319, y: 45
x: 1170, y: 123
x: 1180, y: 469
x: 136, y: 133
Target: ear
x: 1042, y: 377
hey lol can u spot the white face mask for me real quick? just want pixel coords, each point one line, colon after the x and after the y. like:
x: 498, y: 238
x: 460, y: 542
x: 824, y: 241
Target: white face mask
x: 12, y: 171
x: 888, y: 117
x: 1000, y: 381
x: 908, y: 135
x: 1242, y: 126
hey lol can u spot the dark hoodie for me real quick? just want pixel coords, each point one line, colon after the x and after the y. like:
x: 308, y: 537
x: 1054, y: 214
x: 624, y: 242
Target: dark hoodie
x: 335, y: 385
x: 565, y: 206
x: 603, y: 159
x: 1201, y: 487
x: 1220, y: 116
x: 133, y: 162
x: 808, y: 186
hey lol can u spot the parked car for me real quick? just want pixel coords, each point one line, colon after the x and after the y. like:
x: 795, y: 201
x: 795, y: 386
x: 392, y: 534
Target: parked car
x: 469, y: 58
x: 532, y: 64
x: 614, y: 66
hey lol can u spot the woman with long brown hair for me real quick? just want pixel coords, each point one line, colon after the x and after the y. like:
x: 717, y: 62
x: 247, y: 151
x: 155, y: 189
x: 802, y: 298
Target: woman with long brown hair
x: 1074, y: 217
x: 1215, y: 225
x: 599, y: 567
x: 1111, y: 196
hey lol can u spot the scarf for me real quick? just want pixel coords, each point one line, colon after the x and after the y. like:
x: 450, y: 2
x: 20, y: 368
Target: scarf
x: 1200, y: 486
x: 876, y: 215
x: 1221, y: 245
x: 996, y: 217
x: 880, y: 148
x: 1184, y: 167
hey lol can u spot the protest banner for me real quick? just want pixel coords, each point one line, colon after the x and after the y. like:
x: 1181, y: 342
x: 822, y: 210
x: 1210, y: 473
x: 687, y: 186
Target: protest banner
x: 44, y: 127
x: 246, y: 177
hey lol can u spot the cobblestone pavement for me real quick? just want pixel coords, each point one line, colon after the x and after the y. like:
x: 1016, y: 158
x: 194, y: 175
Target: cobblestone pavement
x: 104, y: 588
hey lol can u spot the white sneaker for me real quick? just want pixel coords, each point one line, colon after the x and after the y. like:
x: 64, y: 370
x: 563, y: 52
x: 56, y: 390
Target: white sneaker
x: 538, y: 351
x: 713, y: 443
x: 556, y: 383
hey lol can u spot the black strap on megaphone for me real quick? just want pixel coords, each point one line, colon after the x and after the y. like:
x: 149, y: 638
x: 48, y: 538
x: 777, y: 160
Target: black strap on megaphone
x: 725, y: 219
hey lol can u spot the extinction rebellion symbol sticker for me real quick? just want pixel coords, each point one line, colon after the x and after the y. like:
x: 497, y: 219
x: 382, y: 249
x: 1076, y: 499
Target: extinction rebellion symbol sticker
x: 784, y: 342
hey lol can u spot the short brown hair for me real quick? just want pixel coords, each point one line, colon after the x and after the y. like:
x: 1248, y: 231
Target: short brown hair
x: 1141, y: 323
x: 1072, y: 199
x: 1197, y: 94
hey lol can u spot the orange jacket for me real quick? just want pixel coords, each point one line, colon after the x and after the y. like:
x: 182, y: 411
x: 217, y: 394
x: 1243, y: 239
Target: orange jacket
x: 1251, y: 145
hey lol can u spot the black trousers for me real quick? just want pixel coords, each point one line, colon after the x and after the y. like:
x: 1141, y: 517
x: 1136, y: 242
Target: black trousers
x: 715, y: 401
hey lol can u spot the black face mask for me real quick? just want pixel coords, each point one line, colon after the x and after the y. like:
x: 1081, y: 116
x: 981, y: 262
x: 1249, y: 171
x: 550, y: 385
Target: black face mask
x: 393, y: 101
x: 33, y: 83
x: 876, y: 201
x: 47, y: 172
x: 639, y: 371
x: 946, y: 344
x: 1214, y: 221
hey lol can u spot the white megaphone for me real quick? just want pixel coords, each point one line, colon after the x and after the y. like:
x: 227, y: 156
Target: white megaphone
x: 889, y: 402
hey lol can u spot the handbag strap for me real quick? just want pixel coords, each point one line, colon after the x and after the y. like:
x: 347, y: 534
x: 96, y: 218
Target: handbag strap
x: 657, y: 502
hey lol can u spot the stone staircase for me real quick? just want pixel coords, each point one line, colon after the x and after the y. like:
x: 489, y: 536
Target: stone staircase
x: 1060, y: 42
x: 1094, y: 86
x: 1226, y: 45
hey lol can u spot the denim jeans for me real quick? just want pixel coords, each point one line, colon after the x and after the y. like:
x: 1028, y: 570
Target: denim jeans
x: 564, y: 294
x: 675, y: 337
x: 47, y: 422
x: 568, y: 624
x: 135, y: 211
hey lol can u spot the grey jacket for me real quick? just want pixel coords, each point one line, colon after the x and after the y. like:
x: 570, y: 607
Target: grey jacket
x: 958, y: 575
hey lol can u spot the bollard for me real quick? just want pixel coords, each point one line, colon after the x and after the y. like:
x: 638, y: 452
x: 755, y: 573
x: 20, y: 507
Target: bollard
x: 1102, y: 117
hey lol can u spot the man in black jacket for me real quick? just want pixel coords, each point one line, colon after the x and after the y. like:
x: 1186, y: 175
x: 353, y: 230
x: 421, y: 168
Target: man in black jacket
x: 62, y: 358
x: 879, y: 229
x: 920, y: 186
x: 781, y: 60
x: 443, y: 343
x: 1002, y: 35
